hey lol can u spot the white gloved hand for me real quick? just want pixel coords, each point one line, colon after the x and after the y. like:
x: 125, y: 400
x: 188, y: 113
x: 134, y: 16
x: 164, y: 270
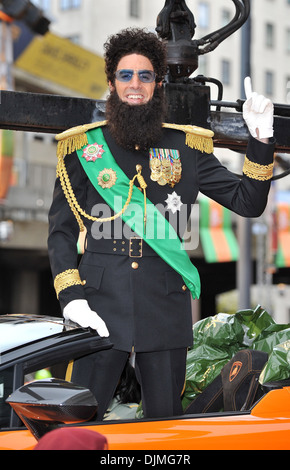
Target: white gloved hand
x: 258, y: 112
x: 79, y: 312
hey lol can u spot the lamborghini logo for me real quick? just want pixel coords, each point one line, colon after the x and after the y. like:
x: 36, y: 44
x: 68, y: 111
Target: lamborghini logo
x: 236, y: 367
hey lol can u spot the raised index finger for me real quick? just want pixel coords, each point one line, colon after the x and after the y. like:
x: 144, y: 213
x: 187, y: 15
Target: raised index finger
x: 248, y: 87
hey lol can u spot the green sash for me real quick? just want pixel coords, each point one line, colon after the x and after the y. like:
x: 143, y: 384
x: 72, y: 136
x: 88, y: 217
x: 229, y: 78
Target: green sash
x: 167, y: 244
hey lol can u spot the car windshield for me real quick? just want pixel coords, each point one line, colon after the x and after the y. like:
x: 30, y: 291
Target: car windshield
x: 17, y: 330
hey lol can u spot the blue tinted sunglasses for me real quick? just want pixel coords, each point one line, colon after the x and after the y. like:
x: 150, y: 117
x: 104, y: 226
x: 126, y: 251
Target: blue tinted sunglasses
x: 126, y: 75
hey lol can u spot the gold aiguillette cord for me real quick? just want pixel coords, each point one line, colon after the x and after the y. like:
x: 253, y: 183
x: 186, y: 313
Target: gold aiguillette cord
x: 143, y: 186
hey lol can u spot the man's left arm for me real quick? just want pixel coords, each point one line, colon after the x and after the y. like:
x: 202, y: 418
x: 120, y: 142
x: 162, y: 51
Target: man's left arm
x: 246, y: 196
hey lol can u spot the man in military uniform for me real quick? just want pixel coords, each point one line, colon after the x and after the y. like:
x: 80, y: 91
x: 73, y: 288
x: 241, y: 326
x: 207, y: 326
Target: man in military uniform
x: 128, y: 181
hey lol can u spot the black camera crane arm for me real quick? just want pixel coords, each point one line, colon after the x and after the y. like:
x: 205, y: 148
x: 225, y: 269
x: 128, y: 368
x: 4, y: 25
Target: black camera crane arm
x: 176, y: 25
x: 212, y: 40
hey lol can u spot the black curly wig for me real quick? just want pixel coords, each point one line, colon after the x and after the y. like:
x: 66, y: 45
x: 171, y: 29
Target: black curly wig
x: 135, y: 41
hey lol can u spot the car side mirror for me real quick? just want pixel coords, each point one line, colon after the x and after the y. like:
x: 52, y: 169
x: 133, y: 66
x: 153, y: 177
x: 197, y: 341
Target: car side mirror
x: 44, y: 404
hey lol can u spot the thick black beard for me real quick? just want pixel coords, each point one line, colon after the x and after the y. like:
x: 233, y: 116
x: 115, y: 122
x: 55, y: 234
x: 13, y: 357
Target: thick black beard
x: 136, y: 127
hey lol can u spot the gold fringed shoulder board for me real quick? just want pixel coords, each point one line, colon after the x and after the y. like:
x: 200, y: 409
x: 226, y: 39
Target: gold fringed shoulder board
x: 75, y: 138
x: 196, y: 137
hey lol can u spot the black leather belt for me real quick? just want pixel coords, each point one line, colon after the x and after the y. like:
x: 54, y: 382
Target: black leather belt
x: 134, y: 247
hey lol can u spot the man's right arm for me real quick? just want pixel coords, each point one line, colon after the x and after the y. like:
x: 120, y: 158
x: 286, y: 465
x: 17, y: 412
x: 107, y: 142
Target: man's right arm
x: 63, y: 236
x: 63, y: 253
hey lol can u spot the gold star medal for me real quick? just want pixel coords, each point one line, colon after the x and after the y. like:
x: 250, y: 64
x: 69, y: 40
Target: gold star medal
x: 107, y: 178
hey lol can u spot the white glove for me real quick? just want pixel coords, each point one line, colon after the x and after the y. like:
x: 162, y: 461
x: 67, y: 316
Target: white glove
x: 258, y: 112
x: 79, y: 312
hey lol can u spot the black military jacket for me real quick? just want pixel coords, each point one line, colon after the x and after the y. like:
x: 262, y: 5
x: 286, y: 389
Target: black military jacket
x: 142, y: 300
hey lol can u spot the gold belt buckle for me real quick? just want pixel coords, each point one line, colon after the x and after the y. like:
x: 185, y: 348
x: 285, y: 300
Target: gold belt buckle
x: 140, y: 249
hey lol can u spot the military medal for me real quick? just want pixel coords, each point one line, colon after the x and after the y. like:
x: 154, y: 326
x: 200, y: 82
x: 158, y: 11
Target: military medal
x: 165, y: 166
x: 107, y: 178
x: 174, y: 202
x: 92, y: 152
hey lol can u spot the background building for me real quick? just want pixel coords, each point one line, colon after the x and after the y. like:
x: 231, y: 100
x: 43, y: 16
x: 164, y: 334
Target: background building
x: 64, y: 62
x: 88, y: 23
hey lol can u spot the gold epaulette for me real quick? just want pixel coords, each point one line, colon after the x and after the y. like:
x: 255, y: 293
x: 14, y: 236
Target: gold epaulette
x: 75, y: 138
x: 196, y: 137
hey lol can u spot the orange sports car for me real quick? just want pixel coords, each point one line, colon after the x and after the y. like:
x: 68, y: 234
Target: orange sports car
x: 30, y: 408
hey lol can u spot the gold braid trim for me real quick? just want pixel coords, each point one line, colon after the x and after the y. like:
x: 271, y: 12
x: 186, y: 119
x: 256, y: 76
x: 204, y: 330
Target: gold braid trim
x: 257, y: 171
x: 61, y: 173
x: 68, y: 278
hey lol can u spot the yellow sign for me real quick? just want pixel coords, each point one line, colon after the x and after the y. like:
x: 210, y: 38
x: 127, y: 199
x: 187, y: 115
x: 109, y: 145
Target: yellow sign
x: 60, y: 61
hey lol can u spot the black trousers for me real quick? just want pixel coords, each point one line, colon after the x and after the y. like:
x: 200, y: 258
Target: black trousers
x: 161, y: 376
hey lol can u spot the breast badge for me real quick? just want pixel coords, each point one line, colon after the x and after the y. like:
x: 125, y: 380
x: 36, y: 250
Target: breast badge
x: 92, y: 152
